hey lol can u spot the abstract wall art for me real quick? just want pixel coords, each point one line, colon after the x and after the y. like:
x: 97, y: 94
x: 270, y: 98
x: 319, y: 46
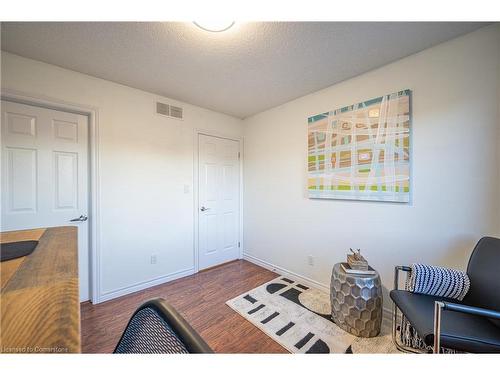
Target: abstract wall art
x: 362, y: 151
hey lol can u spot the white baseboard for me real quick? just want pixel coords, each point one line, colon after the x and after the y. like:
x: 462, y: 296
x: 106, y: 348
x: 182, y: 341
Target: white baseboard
x: 143, y: 285
x: 284, y: 272
x: 386, y: 312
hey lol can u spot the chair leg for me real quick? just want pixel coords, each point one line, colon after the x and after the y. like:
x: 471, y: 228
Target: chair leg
x: 438, y: 309
x: 394, y: 320
x: 401, y: 348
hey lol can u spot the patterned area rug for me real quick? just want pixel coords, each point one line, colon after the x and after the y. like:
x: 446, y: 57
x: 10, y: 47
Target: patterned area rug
x: 298, y: 318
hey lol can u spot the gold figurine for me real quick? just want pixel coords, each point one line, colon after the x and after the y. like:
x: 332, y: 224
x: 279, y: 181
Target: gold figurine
x: 356, y: 261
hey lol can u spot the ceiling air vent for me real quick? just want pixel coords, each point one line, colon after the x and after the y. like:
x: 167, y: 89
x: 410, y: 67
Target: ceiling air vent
x: 169, y: 110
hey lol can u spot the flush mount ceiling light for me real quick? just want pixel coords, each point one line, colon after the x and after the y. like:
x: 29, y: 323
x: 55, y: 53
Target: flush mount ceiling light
x: 214, y: 26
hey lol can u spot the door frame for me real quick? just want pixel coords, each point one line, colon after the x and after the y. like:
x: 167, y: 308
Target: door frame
x: 196, y: 202
x: 92, y: 114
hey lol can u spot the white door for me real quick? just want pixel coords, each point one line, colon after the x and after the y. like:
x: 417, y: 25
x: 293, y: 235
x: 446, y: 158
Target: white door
x: 219, y: 197
x: 45, y: 174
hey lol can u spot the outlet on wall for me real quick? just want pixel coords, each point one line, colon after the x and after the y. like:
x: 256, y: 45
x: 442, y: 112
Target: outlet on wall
x: 153, y: 258
x: 310, y: 260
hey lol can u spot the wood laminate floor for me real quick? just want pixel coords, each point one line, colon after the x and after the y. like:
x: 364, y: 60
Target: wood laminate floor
x: 200, y: 299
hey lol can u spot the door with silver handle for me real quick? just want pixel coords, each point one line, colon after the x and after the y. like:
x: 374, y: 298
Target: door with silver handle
x: 218, y: 201
x: 81, y: 218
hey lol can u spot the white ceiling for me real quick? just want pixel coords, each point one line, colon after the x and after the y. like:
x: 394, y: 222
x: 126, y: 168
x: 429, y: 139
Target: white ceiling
x: 248, y: 69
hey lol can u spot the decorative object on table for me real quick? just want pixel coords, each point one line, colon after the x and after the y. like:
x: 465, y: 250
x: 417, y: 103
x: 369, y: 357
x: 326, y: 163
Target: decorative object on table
x: 361, y: 151
x: 356, y: 261
x: 357, y: 264
x: 298, y: 317
x: 356, y: 300
x: 347, y: 269
x: 426, y: 326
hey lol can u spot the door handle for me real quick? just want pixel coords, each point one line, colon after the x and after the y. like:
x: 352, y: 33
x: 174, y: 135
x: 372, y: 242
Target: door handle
x: 203, y: 209
x: 81, y: 218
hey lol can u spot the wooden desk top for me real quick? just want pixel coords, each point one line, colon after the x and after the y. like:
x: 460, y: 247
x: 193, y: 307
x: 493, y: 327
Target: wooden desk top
x: 40, y: 307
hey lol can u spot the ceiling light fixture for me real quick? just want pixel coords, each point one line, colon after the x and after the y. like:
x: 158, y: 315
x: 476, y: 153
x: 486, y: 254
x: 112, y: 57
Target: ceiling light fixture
x: 214, y: 26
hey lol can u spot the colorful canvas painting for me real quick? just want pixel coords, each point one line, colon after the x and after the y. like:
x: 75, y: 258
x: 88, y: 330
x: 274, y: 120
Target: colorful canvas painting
x: 362, y: 151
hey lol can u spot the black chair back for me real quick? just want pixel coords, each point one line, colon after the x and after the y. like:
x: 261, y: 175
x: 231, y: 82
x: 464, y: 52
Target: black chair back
x: 156, y: 328
x: 484, y: 274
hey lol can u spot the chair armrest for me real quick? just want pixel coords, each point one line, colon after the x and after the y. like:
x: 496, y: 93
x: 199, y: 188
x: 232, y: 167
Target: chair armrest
x: 193, y: 342
x: 396, y: 274
x: 191, y: 339
x: 487, y: 313
x: 439, y: 306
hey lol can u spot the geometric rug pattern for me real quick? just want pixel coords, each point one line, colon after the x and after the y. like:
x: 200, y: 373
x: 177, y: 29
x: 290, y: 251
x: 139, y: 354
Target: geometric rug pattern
x: 298, y: 317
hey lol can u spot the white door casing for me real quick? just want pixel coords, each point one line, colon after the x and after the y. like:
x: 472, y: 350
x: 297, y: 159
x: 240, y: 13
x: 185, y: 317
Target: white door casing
x: 219, y: 200
x: 45, y: 174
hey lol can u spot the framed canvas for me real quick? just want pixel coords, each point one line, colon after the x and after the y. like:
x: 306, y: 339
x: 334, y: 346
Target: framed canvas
x: 362, y: 151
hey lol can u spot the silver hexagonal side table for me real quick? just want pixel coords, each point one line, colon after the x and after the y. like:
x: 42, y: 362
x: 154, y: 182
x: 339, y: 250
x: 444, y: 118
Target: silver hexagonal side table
x: 356, y: 302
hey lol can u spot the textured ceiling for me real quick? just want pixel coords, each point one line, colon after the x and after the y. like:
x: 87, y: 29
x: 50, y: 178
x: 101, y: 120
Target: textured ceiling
x: 248, y: 69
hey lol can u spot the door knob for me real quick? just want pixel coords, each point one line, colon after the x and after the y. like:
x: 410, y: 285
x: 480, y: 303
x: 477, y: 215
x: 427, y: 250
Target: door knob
x: 81, y: 218
x: 203, y: 208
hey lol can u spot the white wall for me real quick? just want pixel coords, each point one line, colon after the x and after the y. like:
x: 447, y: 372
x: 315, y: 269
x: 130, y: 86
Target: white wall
x: 145, y: 161
x: 455, y: 176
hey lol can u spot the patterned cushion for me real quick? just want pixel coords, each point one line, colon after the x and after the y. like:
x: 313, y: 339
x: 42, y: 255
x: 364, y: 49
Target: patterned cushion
x: 148, y: 333
x: 438, y: 281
